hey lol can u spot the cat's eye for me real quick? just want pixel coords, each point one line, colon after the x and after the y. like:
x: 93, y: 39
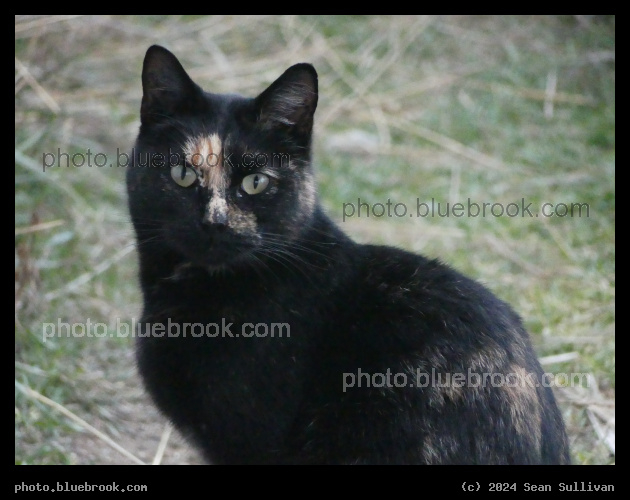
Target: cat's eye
x: 255, y: 183
x: 183, y: 175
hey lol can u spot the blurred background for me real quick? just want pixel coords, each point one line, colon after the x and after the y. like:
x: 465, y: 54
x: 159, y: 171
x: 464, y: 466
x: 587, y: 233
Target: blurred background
x: 491, y: 109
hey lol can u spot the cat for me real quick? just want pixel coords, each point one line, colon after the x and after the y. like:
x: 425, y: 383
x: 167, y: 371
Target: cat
x: 233, y: 240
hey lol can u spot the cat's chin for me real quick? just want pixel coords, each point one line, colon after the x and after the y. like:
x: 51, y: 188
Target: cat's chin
x: 220, y: 267
x: 212, y: 266
x: 184, y: 270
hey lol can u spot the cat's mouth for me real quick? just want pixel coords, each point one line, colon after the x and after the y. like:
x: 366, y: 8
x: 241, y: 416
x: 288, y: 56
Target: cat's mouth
x: 215, y: 251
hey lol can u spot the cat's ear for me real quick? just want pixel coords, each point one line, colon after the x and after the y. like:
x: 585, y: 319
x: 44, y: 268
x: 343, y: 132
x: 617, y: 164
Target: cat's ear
x: 291, y: 100
x: 166, y: 86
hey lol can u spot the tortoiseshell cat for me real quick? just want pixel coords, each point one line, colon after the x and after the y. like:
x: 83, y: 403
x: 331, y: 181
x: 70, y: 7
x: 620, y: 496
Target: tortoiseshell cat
x: 232, y: 240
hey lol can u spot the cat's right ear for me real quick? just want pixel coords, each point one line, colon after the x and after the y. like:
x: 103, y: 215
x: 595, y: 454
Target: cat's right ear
x: 166, y: 86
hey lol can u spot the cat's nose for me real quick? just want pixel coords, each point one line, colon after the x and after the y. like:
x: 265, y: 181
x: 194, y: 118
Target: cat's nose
x: 216, y: 212
x: 216, y: 221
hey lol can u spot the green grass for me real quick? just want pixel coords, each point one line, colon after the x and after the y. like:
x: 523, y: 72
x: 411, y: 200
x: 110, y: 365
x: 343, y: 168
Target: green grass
x: 495, y: 109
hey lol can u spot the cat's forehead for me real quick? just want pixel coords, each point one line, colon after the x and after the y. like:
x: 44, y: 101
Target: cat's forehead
x: 224, y: 153
x: 213, y: 114
x: 204, y: 146
x: 205, y: 153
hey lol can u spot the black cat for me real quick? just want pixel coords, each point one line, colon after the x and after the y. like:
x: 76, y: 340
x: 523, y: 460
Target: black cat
x: 270, y: 337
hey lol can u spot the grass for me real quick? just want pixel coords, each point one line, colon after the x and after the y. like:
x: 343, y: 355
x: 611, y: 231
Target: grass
x: 491, y: 109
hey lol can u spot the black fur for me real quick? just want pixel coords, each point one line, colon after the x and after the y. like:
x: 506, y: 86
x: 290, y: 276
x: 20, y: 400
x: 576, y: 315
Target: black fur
x: 275, y: 257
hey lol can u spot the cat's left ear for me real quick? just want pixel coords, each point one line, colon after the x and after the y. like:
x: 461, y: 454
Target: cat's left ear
x: 291, y: 100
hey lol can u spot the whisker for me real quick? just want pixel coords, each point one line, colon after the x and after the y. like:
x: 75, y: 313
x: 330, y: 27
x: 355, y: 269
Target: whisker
x: 291, y: 255
x: 292, y: 244
x: 283, y: 257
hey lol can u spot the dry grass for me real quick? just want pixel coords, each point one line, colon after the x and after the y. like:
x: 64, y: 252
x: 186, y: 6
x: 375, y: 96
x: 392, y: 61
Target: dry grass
x: 494, y: 109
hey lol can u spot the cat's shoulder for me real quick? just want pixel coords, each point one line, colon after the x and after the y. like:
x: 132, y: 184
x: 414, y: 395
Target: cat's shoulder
x: 415, y: 275
x: 420, y: 294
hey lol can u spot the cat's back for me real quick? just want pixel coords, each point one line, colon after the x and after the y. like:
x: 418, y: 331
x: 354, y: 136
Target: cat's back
x: 417, y: 335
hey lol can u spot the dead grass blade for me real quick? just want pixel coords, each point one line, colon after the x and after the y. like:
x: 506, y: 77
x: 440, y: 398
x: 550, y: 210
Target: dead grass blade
x: 27, y: 391
x: 166, y: 434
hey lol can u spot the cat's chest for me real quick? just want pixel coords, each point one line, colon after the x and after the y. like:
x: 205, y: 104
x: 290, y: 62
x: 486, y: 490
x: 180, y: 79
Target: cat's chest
x: 230, y: 332
x: 236, y: 359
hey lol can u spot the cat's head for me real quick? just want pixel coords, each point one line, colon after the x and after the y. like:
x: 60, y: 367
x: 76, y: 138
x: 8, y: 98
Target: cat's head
x: 219, y: 178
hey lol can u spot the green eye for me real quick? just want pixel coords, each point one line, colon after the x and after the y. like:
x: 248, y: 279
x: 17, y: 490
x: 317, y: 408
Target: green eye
x: 255, y: 183
x: 183, y: 175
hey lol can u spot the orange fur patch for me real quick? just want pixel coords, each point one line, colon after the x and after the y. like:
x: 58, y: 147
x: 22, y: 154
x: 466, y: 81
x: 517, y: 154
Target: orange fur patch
x: 205, y: 154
